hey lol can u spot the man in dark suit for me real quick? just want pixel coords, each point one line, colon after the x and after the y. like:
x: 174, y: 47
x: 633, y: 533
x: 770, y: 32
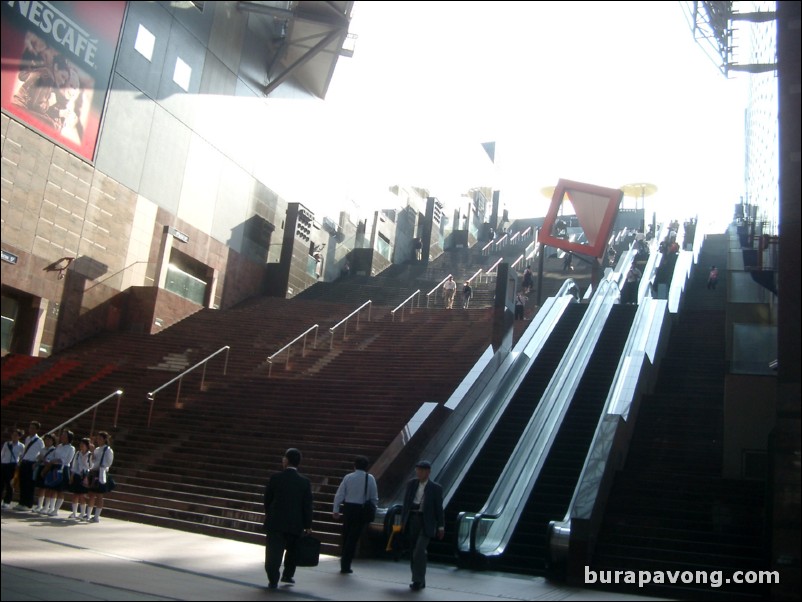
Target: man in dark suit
x: 288, y: 515
x: 422, y: 518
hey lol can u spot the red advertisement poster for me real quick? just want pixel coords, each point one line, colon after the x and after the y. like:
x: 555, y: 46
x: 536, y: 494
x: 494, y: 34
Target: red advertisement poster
x: 57, y: 65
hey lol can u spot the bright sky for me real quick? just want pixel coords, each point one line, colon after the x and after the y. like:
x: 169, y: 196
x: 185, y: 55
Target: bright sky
x: 606, y: 93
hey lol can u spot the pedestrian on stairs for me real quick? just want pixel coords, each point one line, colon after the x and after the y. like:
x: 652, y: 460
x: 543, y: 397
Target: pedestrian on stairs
x: 712, y: 278
x: 449, y: 290
x: 520, y: 304
x: 467, y: 293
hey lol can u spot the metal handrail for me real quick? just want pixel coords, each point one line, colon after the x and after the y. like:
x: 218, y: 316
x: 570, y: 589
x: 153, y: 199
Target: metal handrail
x: 492, y: 267
x: 118, y: 393
x: 517, y: 261
x: 152, y: 394
x: 369, y: 303
x: 525, y: 232
x: 290, y: 344
x: 478, y: 272
x: 514, y: 236
x: 434, y: 290
x: 486, y: 248
x: 403, y: 305
x: 498, y: 241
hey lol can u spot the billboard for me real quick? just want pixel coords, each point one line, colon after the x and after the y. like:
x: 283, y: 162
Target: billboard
x: 57, y: 65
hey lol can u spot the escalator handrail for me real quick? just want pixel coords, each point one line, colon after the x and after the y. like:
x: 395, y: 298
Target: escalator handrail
x: 506, y: 501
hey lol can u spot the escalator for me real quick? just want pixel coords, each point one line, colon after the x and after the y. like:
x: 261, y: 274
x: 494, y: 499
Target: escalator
x: 552, y: 493
x: 482, y: 476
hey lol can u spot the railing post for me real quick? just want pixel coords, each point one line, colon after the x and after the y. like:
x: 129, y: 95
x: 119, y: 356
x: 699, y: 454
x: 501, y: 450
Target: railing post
x: 203, y: 376
x: 178, y: 393
x: 225, y: 365
x: 117, y: 411
x: 150, y: 412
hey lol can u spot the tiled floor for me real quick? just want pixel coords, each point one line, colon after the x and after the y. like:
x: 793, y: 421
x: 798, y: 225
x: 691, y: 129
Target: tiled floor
x: 59, y: 559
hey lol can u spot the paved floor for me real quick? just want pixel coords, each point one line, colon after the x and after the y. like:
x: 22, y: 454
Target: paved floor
x: 59, y: 559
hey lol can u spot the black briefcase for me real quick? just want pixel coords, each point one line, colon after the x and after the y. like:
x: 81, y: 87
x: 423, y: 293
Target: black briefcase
x: 308, y: 551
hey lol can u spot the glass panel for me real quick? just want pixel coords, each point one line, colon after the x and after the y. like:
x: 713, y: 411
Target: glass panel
x: 383, y: 247
x: 10, y: 309
x: 185, y: 285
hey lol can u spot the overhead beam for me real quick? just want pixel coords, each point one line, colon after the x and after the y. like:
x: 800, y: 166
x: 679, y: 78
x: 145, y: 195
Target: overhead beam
x: 332, y: 18
x: 305, y: 58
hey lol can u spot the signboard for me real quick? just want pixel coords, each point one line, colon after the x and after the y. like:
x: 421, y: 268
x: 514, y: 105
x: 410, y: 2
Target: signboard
x: 57, y: 66
x: 9, y: 257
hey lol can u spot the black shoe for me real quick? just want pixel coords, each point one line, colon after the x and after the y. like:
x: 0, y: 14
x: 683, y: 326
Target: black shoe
x: 346, y: 571
x: 287, y: 580
x: 416, y: 586
x: 272, y: 585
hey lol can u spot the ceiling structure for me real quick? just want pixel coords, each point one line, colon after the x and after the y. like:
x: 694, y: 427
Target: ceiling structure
x: 715, y: 28
x: 309, y: 37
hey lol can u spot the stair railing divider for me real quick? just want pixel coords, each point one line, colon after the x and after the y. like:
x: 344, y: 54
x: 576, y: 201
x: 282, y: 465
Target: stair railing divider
x: 403, y: 305
x: 476, y: 275
x: 491, y: 268
x: 94, y: 407
x: 435, y: 289
x: 500, y: 242
x: 203, y: 362
x: 344, y: 322
x: 514, y: 238
x: 287, y: 349
x: 486, y: 248
x: 517, y: 261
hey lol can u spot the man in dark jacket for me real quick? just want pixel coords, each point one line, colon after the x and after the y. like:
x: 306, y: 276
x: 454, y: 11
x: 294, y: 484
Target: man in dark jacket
x: 288, y: 515
x: 422, y: 518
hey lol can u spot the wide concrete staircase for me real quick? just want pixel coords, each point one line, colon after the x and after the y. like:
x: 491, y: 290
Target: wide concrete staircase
x: 204, y: 459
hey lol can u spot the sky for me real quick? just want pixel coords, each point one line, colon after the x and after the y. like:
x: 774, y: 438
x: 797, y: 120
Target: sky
x: 605, y: 93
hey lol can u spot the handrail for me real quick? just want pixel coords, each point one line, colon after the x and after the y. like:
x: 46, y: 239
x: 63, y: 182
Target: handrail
x: 441, y: 283
x: 514, y: 236
x: 479, y: 271
x: 152, y: 394
x: 118, y: 393
x: 403, y: 304
x: 505, y: 501
x: 525, y: 232
x: 499, y: 240
x: 492, y: 267
x: 514, y: 263
x: 118, y: 272
x: 287, y: 347
x: 369, y: 303
x: 487, y: 246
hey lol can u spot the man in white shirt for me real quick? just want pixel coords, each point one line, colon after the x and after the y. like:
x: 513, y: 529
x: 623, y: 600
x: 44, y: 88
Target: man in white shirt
x: 355, y: 489
x: 449, y: 289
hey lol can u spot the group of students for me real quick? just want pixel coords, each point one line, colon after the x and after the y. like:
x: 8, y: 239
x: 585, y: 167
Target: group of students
x: 47, y: 470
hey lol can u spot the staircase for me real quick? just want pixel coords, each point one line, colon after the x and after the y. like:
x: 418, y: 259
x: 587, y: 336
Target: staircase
x: 669, y: 508
x: 204, y: 461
